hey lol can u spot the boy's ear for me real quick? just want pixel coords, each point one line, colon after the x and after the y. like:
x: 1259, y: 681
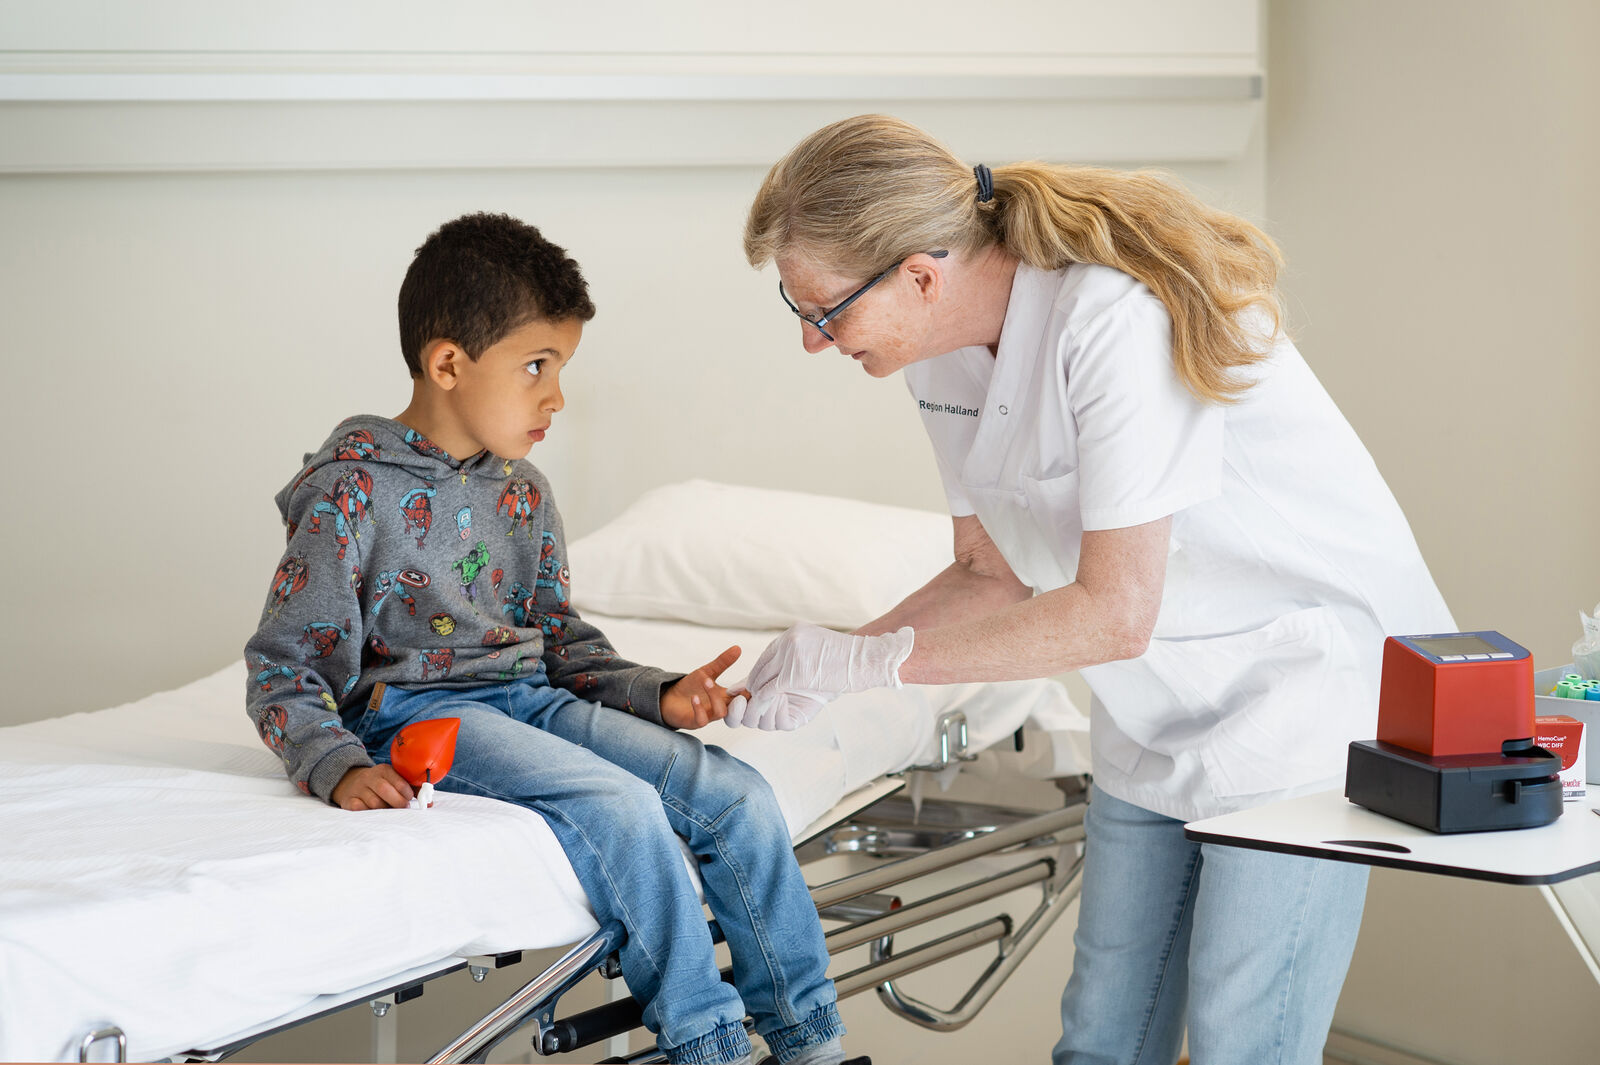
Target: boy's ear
x: 441, y: 363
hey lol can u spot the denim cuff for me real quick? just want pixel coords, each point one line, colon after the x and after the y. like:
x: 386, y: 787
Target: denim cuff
x: 728, y: 1042
x: 821, y: 1025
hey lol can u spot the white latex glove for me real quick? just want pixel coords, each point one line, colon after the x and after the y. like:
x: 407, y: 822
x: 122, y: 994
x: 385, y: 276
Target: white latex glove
x: 809, y: 666
x: 785, y: 711
x: 767, y: 713
x: 738, y: 710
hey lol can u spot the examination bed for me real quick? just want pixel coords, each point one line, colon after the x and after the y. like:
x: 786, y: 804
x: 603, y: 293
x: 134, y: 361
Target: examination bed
x: 165, y: 892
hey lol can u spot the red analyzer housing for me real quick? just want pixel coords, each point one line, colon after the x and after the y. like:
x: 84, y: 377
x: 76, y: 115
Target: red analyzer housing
x: 1446, y: 702
x: 1455, y: 747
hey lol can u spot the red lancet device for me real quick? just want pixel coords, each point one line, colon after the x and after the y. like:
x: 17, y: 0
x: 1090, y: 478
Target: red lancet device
x: 1455, y: 750
x: 422, y: 752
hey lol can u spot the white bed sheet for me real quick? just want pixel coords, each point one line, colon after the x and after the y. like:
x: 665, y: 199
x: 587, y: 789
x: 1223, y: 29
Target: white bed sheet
x: 158, y: 872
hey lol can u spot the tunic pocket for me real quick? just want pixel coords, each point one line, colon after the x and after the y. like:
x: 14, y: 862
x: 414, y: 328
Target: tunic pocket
x: 1287, y: 697
x: 1056, y: 523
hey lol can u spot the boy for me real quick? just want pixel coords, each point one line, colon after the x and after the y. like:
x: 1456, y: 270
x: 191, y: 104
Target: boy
x: 425, y: 577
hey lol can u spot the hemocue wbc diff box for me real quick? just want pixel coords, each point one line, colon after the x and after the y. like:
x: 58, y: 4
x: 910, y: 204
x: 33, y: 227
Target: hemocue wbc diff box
x: 1564, y: 737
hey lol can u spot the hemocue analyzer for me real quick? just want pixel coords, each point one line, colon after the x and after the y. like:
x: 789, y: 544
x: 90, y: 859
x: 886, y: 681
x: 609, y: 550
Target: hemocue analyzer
x: 1455, y: 750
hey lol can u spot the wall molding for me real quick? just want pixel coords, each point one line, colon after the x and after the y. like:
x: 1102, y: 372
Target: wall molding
x: 258, y: 77
x: 154, y: 112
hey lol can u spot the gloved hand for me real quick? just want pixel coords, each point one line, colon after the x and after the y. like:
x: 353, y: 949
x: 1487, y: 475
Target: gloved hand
x: 781, y: 713
x: 809, y: 666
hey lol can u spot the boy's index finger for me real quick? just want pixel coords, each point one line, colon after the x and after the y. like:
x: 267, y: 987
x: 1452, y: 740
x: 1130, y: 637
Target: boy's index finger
x: 719, y: 665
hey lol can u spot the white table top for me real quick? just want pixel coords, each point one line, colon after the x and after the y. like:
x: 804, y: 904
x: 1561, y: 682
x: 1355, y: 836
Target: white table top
x: 1327, y: 825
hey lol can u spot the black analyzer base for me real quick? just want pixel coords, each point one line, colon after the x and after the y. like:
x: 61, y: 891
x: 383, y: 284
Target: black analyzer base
x: 1455, y: 793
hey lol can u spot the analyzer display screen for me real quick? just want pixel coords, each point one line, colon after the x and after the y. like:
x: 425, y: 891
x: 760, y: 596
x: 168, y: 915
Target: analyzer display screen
x: 1457, y: 645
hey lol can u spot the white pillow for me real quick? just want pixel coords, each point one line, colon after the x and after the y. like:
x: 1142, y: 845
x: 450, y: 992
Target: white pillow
x: 756, y: 558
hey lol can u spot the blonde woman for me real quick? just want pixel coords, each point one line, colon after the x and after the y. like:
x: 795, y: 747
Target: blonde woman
x: 1148, y: 485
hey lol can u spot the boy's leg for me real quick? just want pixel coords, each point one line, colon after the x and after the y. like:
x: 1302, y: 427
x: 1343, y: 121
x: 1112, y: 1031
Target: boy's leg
x: 1124, y: 1003
x: 728, y: 815
x: 1273, y: 935
x: 614, y: 832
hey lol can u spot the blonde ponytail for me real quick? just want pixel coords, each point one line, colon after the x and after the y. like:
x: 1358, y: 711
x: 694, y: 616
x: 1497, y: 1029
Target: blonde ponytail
x: 867, y: 191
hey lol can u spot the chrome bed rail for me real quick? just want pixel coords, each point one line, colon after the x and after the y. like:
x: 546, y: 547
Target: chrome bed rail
x: 536, y: 1000
x: 1059, y: 878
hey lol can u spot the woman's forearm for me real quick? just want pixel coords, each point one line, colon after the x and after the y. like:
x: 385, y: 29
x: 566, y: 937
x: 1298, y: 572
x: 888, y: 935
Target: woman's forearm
x: 1053, y: 633
x: 1107, y: 614
x: 957, y: 593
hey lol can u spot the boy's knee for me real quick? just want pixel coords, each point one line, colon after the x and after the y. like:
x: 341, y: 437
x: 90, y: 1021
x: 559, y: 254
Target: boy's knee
x: 750, y: 797
x: 723, y: 772
x: 633, y: 806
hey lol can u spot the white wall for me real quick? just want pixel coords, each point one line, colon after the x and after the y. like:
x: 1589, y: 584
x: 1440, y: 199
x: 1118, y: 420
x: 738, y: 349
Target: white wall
x: 180, y: 331
x: 1430, y: 174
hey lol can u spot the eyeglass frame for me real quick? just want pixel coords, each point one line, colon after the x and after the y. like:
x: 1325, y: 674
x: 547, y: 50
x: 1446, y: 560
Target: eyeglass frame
x: 839, y: 308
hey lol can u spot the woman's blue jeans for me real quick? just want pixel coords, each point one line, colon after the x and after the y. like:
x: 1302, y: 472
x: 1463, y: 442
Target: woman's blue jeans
x: 1249, y: 948
x: 618, y: 791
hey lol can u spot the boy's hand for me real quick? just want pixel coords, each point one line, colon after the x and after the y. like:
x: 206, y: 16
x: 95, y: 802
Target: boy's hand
x: 372, y: 787
x: 697, y: 699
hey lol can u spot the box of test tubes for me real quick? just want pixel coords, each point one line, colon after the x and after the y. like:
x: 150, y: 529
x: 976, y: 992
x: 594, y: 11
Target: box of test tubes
x: 1578, y: 698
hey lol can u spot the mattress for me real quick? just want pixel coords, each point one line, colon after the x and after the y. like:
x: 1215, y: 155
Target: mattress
x: 159, y: 873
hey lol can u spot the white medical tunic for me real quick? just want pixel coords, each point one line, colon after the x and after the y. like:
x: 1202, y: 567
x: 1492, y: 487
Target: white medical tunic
x: 1289, y: 560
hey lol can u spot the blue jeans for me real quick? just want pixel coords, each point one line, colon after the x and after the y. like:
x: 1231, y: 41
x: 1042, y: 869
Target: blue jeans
x: 1250, y: 948
x: 618, y: 791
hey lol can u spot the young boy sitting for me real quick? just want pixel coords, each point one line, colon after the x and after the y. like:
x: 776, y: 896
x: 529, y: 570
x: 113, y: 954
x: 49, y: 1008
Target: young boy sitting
x: 425, y: 577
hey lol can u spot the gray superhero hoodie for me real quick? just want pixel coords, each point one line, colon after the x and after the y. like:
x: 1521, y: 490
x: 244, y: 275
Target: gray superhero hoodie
x: 407, y: 567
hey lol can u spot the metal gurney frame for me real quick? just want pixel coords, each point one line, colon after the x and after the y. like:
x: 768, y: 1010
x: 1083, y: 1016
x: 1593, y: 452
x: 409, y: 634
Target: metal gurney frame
x: 928, y: 838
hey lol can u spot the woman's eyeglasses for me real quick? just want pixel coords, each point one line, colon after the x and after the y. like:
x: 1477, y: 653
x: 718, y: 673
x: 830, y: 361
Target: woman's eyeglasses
x: 820, y: 322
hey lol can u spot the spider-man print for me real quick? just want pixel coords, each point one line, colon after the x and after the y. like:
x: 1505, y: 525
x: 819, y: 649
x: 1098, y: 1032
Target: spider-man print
x: 270, y: 669
x: 437, y: 662
x: 416, y: 511
x: 322, y: 637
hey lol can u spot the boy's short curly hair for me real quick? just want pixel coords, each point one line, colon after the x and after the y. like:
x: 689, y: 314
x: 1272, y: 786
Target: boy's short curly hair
x: 480, y: 277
